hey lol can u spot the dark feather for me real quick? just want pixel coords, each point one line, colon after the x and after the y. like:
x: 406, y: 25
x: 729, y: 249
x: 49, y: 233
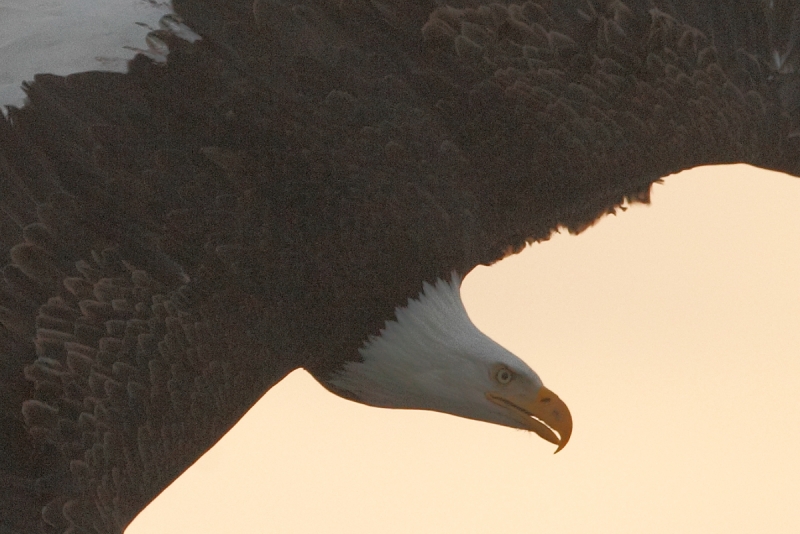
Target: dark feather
x: 179, y: 238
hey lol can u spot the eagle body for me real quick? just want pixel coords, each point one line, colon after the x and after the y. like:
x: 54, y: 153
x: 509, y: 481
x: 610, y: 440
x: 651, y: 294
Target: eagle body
x: 298, y: 188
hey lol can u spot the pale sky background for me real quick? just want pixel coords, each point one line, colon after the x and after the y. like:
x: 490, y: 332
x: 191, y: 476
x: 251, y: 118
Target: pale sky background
x: 672, y: 332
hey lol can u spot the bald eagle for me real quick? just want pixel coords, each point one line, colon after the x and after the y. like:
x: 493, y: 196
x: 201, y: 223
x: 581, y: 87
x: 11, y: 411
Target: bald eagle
x: 304, y: 187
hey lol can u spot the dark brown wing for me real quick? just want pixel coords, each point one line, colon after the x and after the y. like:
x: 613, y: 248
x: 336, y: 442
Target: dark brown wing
x: 178, y: 238
x: 128, y: 341
x: 518, y: 117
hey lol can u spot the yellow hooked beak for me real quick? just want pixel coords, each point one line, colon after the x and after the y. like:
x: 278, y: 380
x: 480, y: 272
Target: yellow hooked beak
x: 543, y: 414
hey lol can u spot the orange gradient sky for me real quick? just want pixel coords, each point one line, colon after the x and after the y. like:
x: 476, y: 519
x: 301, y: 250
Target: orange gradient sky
x: 673, y: 333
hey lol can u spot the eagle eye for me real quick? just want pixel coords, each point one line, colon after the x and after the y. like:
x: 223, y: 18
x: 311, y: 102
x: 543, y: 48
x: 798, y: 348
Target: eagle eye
x: 504, y: 375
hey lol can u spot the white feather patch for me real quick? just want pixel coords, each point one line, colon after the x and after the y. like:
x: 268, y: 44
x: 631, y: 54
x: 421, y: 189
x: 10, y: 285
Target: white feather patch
x: 430, y: 357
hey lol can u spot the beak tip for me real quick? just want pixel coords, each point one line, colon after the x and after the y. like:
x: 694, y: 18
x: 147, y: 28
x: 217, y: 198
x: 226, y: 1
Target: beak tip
x: 565, y: 434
